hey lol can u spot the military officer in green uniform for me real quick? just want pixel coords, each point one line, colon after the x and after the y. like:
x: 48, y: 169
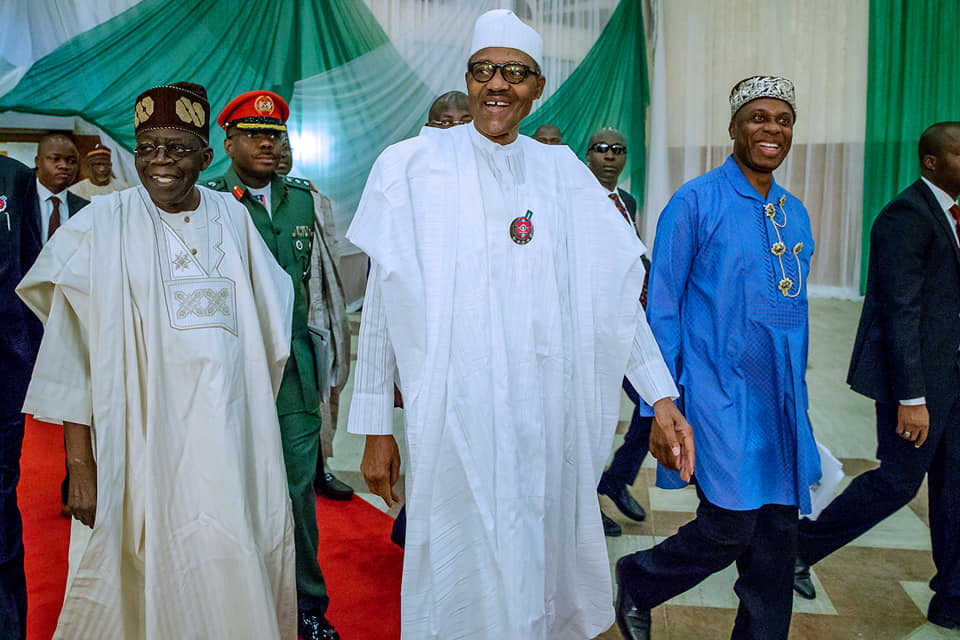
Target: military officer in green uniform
x: 297, y: 225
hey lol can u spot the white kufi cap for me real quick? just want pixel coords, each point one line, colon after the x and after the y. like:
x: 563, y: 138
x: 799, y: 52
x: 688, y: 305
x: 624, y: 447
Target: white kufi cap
x: 502, y: 28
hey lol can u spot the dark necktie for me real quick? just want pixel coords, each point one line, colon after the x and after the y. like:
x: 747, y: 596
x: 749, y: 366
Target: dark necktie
x: 54, y: 217
x: 955, y: 212
x: 622, y: 209
x: 626, y: 216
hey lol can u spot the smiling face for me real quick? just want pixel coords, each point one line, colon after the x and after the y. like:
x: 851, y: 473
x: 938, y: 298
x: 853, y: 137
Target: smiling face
x: 498, y: 106
x: 170, y: 181
x: 762, y: 131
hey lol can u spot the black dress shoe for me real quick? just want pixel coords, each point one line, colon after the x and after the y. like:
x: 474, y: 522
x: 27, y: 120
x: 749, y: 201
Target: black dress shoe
x: 944, y: 612
x: 633, y: 621
x: 610, y: 528
x: 625, y: 502
x: 328, y: 485
x: 311, y: 625
x: 802, y: 583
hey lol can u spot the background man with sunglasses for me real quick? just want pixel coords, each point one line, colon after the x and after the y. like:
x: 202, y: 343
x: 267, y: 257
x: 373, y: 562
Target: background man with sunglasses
x: 296, y: 223
x: 503, y: 295
x: 449, y: 110
x: 606, y: 157
x: 167, y: 326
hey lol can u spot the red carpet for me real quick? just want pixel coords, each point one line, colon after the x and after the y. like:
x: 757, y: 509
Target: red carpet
x: 360, y: 564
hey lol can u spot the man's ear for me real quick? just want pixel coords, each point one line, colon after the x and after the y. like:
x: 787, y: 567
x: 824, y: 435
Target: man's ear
x: 731, y: 127
x: 207, y: 157
x: 930, y: 162
x: 228, y: 146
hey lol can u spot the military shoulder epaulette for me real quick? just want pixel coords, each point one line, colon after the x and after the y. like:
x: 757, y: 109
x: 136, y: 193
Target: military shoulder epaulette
x: 300, y: 183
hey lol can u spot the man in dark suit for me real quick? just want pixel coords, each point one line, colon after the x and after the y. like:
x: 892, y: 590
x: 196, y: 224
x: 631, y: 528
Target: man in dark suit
x: 906, y: 358
x: 19, y: 341
x: 606, y: 157
x: 57, y: 163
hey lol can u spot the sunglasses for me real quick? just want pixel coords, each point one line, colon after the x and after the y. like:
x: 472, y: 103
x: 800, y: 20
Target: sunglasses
x: 512, y: 72
x: 173, y: 151
x: 603, y: 147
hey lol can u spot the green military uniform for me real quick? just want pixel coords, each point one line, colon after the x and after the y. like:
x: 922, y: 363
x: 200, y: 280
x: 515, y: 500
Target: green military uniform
x: 289, y: 234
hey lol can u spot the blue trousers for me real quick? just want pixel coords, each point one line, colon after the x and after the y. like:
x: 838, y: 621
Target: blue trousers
x: 628, y: 459
x: 876, y: 494
x: 761, y: 541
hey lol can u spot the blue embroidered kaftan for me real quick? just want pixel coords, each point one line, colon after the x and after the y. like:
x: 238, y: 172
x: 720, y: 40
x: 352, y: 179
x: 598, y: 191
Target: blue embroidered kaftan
x: 737, y: 347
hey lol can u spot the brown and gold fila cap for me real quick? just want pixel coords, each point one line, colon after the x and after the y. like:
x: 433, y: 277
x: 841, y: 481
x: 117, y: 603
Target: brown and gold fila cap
x: 182, y: 106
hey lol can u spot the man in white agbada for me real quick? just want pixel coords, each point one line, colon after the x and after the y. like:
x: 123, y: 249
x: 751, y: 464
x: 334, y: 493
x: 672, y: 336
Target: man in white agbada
x: 167, y: 325
x: 504, y: 296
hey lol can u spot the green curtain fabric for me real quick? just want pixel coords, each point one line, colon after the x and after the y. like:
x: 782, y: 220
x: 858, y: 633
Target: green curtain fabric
x: 610, y: 88
x: 914, y: 59
x: 245, y: 45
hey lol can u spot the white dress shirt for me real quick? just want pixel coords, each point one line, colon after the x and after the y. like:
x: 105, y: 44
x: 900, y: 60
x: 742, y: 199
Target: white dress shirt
x: 46, y: 208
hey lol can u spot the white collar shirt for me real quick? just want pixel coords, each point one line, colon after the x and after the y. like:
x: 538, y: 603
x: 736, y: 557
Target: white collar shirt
x: 46, y: 208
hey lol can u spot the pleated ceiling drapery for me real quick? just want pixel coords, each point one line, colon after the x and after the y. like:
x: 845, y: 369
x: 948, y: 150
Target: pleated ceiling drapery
x: 227, y: 46
x: 914, y: 65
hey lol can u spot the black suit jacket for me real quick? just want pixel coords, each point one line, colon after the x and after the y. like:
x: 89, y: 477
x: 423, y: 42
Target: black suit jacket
x: 74, y: 204
x: 909, y: 331
x: 630, y: 203
x: 19, y: 245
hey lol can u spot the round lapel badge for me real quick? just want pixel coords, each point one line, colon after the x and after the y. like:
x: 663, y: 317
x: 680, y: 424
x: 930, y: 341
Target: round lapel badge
x: 521, y: 229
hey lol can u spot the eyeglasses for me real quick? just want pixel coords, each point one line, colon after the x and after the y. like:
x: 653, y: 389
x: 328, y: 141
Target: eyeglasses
x: 173, y: 151
x: 512, y: 72
x: 603, y: 147
x: 260, y: 135
x: 446, y: 124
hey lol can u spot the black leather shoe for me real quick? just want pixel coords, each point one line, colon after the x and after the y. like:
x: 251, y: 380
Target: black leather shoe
x: 944, y: 612
x: 312, y: 625
x: 626, y: 503
x: 633, y: 621
x: 802, y: 583
x: 610, y: 528
x: 328, y: 485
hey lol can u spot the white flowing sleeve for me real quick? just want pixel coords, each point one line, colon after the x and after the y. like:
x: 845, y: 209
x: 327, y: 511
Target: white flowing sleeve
x: 646, y: 370
x: 371, y: 407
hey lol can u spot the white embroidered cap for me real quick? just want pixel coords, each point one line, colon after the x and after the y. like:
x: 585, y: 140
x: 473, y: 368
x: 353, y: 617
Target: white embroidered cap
x: 502, y: 28
x: 762, y: 87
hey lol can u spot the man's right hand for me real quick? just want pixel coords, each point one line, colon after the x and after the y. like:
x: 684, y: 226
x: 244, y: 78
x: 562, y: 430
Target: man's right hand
x: 381, y: 466
x: 671, y: 439
x: 82, y: 498
x: 913, y: 423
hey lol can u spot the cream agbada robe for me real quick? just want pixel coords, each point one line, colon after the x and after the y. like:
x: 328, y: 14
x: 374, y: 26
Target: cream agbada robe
x: 510, y: 359
x: 175, y: 362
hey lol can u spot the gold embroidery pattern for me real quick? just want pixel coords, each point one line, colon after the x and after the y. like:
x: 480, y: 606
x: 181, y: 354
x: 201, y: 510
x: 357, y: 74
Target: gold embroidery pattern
x: 202, y: 303
x: 182, y: 261
x: 143, y: 111
x: 190, y: 112
x: 779, y: 248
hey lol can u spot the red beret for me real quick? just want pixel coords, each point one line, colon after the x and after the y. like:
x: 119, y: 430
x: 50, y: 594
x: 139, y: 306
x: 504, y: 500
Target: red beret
x: 255, y: 110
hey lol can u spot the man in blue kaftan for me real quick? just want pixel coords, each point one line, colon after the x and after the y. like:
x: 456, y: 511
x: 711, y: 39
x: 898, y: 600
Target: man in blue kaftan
x: 728, y: 306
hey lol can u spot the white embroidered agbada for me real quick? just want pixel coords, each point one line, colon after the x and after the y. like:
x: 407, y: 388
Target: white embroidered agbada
x: 175, y: 359
x: 510, y: 359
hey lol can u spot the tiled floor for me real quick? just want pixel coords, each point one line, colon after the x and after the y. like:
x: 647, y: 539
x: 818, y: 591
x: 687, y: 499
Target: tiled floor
x: 874, y: 589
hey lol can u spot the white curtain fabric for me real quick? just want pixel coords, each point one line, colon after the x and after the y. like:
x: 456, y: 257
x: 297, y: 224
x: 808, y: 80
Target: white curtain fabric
x: 701, y: 49
x: 30, y: 29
